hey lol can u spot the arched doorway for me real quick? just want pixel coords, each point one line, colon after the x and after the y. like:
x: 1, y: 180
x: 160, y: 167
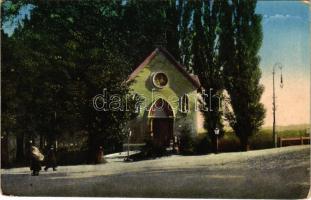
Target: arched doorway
x: 161, y: 117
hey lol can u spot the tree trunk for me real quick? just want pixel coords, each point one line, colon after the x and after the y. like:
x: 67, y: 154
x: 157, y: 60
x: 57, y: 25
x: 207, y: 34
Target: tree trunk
x: 41, y: 141
x: 92, y: 148
x: 5, y: 160
x: 50, y: 140
x: 28, y: 145
x: 244, y: 143
x: 20, y: 154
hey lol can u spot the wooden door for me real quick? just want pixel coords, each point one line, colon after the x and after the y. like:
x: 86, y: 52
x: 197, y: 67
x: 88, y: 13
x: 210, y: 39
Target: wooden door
x: 162, y: 131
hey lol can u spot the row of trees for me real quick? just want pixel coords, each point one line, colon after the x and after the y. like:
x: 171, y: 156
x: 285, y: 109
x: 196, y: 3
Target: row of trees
x: 226, y: 42
x: 67, y: 52
x: 53, y: 65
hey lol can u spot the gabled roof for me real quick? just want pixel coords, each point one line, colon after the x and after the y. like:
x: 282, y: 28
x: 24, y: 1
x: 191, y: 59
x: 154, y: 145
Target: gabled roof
x: 192, y: 78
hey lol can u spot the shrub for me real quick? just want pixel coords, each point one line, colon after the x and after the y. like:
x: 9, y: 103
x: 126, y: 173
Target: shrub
x: 229, y: 142
x: 153, y: 150
x: 150, y: 150
x: 202, y: 144
x: 186, y: 142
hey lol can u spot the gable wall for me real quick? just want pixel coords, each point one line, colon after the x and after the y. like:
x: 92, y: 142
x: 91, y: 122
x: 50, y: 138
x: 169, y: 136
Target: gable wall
x: 177, y: 86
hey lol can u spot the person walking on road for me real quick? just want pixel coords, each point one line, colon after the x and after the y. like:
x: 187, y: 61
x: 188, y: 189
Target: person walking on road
x: 100, y: 156
x: 50, y: 160
x: 36, y: 157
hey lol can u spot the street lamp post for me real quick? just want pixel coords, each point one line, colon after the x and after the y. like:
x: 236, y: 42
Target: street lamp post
x: 128, y: 142
x: 216, y: 131
x: 276, y: 66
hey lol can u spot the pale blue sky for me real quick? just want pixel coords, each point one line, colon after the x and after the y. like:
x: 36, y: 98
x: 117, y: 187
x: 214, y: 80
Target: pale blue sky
x: 286, y: 34
x: 287, y: 40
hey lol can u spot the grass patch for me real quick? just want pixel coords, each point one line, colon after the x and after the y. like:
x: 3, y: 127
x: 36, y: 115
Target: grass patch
x: 262, y: 140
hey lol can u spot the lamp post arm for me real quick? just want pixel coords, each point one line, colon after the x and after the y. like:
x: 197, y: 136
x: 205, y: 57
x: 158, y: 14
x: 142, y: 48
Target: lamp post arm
x: 278, y: 65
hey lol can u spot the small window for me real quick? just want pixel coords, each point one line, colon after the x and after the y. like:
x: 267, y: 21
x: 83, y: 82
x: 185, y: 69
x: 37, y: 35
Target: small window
x: 184, y: 103
x: 160, y: 79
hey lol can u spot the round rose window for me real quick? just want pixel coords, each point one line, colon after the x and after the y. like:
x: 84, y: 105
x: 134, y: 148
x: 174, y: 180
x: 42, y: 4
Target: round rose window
x: 160, y: 80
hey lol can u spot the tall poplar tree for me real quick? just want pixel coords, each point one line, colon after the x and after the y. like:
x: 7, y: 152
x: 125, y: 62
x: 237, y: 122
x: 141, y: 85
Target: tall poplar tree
x: 206, y: 62
x: 241, y: 39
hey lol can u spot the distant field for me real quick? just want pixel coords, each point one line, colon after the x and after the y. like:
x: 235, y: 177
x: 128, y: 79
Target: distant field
x: 263, y: 139
x: 289, y: 127
x: 269, y: 128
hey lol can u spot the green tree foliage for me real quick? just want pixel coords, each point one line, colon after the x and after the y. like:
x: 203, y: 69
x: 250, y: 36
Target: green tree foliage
x: 186, y: 143
x: 185, y: 33
x: 241, y: 39
x: 17, y: 93
x: 144, y: 25
x: 67, y: 57
x: 8, y: 118
x: 206, y: 62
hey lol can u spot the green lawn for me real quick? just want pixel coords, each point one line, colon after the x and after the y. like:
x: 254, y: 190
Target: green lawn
x: 263, y: 139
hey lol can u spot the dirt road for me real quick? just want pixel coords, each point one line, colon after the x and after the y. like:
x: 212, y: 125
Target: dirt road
x: 273, y: 173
